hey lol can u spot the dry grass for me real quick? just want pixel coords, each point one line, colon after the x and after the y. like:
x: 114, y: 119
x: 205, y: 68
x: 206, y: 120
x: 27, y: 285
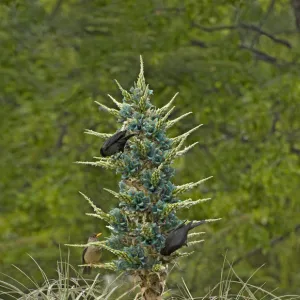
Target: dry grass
x: 223, y: 290
x: 76, y: 287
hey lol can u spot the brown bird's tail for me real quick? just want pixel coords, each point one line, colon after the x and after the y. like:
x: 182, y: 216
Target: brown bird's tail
x: 196, y: 224
x: 87, y: 270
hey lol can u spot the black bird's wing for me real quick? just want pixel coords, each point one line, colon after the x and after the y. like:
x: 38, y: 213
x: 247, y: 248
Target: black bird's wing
x: 113, y: 139
x: 181, y: 225
x: 115, y: 143
x: 176, y: 239
x: 178, y: 226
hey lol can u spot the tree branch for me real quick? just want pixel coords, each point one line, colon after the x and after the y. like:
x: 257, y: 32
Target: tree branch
x: 270, y: 36
x: 198, y: 43
x: 261, y: 55
x: 251, y: 27
x: 215, y: 28
x: 257, y: 250
x: 262, y: 21
x: 296, y: 8
x: 294, y: 150
x: 56, y: 9
x: 63, y: 132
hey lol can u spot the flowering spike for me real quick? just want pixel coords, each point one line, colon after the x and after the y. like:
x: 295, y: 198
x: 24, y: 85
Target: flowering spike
x: 155, y: 177
x: 212, y: 220
x: 185, y: 150
x: 182, y: 204
x: 115, y: 101
x: 85, y: 245
x: 101, y: 135
x: 172, y: 122
x: 184, y: 254
x: 112, y: 111
x: 115, y: 194
x: 108, y: 266
x: 195, y: 243
x: 162, y: 110
x: 163, y: 120
x: 193, y: 234
x: 158, y: 268
x: 98, y: 211
x: 76, y: 245
x: 119, y: 253
x: 168, y: 114
x: 105, y: 217
x: 120, y: 196
x: 141, y: 78
x: 141, y: 147
x: 106, y: 165
x: 143, y: 100
x: 105, y: 159
x: 125, y: 94
x: 185, y: 187
x: 95, y: 208
x: 183, y: 137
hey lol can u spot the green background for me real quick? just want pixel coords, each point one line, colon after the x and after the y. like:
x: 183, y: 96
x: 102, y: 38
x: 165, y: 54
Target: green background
x: 236, y: 66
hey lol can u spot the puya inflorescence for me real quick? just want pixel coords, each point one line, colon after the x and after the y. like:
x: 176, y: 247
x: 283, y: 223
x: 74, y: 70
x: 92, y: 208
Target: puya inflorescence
x: 145, y: 218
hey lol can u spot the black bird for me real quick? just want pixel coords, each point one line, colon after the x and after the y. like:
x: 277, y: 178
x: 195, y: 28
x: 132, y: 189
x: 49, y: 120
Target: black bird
x: 115, y: 143
x: 178, y: 237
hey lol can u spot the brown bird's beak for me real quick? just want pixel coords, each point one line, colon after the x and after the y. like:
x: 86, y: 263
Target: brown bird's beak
x: 98, y: 234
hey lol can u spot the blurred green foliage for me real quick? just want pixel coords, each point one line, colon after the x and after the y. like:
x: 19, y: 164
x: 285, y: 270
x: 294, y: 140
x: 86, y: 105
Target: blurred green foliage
x: 236, y: 65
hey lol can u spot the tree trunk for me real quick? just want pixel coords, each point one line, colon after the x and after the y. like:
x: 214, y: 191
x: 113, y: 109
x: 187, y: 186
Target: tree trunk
x: 296, y: 8
x: 152, y: 284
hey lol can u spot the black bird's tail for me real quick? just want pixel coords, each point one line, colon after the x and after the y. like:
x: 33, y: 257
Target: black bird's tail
x: 193, y: 225
x: 87, y: 270
x: 129, y: 136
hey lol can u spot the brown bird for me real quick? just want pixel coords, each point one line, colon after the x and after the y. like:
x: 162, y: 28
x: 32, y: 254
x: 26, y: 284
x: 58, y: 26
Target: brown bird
x: 91, y: 254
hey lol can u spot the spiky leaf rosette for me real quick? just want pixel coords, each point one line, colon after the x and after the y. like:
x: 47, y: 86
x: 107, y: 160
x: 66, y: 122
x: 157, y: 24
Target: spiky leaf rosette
x: 148, y: 200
